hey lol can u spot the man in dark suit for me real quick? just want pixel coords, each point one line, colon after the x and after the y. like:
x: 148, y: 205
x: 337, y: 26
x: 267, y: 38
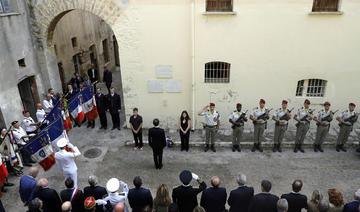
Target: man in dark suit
x: 98, y: 192
x: 28, y: 186
x: 114, y: 107
x: 139, y: 197
x: 157, y: 142
x: 71, y: 92
x: 93, y: 74
x: 296, y: 201
x: 185, y: 196
x: 49, y: 197
x: 239, y: 199
x: 264, y: 202
x: 101, y: 108
x: 354, y: 205
x: 72, y: 195
x: 214, y: 199
x: 107, y: 78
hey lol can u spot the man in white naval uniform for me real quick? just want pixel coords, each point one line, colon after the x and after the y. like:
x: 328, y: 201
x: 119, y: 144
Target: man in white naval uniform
x: 114, y: 197
x: 66, y: 160
x: 29, y: 124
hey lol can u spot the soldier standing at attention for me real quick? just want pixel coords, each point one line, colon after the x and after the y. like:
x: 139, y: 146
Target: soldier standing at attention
x: 281, y: 118
x: 346, y: 121
x: 323, y: 119
x: 212, y: 119
x: 303, y: 117
x: 259, y: 117
x: 237, y: 119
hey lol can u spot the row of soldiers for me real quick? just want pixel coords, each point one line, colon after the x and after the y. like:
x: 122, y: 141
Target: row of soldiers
x: 261, y: 114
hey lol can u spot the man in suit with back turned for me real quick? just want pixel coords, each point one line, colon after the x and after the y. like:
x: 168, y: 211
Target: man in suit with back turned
x: 157, y: 142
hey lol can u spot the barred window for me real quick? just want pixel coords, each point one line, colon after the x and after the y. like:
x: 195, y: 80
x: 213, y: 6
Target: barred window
x: 5, y: 6
x: 217, y: 72
x: 311, y: 88
x: 219, y: 6
x: 325, y: 6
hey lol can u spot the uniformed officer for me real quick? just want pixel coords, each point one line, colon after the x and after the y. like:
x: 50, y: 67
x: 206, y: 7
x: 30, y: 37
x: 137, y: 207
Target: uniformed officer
x: 281, y: 118
x: 323, y: 119
x: 259, y: 116
x: 346, y: 121
x: 48, y: 104
x: 66, y: 160
x: 21, y: 137
x: 29, y: 123
x: 40, y: 112
x: 303, y: 117
x: 114, y: 197
x: 212, y: 119
x: 237, y: 119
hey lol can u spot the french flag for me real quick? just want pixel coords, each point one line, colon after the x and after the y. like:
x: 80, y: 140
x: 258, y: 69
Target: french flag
x: 75, y: 108
x: 89, y: 103
x: 67, y: 121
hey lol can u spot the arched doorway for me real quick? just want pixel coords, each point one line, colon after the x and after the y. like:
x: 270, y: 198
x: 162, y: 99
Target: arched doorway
x: 29, y: 94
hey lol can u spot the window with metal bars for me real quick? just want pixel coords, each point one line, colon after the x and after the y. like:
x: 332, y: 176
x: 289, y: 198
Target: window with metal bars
x: 217, y: 72
x: 5, y: 6
x: 219, y: 6
x: 311, y: 88
x: 326, y: 5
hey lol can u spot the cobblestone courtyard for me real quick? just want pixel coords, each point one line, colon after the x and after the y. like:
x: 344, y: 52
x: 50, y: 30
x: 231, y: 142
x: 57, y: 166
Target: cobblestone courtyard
x: 318, y: 171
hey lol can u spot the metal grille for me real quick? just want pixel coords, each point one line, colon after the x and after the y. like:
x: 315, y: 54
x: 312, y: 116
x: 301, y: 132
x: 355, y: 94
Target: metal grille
x: 5, y: 6
x: 219, y: 6
x: 300, y: 88
x: 316, y: 87
x: 217, y: 72
x: 325, y: 5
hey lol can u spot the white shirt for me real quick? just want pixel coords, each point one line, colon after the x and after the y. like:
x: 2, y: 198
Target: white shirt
x: 66, y: 160
x: 40, y: 115
x: 302, y: 113
x: 279, y: 113
x: 211, y: 118
x: 257, y: 112
x: 115, y: 197
x: 27, y: 121
x: 346, y: 114
x: 47, y: 104
x: 18, y: 133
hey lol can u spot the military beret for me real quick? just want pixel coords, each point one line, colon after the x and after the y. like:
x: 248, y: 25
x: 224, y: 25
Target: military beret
x: 262, y: 101
x: 25, y: 111
x: 238, y: 105
x: 327, y: 103
x: 185, y: 177
x: 352, y: 104
x: 212, y: 104
x: 307, y: 101
x: 284, y: 101
x: 14, y: 122
x: 89, y: 203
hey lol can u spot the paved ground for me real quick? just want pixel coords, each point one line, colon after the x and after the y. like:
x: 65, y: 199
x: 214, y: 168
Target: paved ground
x: 318, y: 171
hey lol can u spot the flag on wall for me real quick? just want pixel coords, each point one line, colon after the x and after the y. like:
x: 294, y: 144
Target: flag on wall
x: 89, y: 103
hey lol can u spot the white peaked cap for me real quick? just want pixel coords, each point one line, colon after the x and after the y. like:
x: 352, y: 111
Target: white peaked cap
x: 113, y: 185
x: 62, y: 143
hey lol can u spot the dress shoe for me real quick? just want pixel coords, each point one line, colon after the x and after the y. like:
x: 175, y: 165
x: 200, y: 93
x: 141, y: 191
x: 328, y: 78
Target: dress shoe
x: 89, y: 125
x: 101, y: 128
x: 118, y: 128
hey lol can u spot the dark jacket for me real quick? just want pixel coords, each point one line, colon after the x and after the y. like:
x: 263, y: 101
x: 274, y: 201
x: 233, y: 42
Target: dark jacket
x: 93, y: 77
x: 101, y: 103
x: 264, y: 202
x: 27, y: 188
x: 97, y: 192
x: 69, y: 95
x: 213, y: 199
x: 157, y: 139
x: 107, y: 76
x: 50, y: 198
x: 113, y: 103
x: 296, y: 201
x: 352, y: 206
x: 186, y: 197
x: 77, y: 203
x: 139, y: 198
x: 240, y: 198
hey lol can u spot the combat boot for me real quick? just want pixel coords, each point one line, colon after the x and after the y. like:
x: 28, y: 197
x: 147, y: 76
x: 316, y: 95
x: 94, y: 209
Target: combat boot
x: 274, y: 149
x: 233, y: 148
x: 260, y: 148
x: 253, y: 149
x: 238, y: 148
x: 320, y: 149
x: 212, y: 147
x: 296, y: 148
x: 301, y: 149
x: 315, y: 148
x: 279, y: 148
x: 342, y: 147
x: 338, y: 148
x: 206, y: 148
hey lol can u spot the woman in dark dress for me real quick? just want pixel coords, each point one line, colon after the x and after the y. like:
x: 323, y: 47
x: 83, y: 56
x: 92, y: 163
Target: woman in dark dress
x: 184, y: 125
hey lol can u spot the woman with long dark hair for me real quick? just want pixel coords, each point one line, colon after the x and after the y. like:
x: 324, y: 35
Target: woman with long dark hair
x: 184, y: 125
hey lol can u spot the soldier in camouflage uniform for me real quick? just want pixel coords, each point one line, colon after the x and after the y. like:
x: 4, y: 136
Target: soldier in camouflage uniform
x: 303, y: 117
x: 346, y: 121
x: 281, y: 118
x: 322, y: 119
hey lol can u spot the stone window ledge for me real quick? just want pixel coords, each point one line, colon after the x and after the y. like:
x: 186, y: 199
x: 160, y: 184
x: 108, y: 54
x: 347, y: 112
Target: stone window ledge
x: 219, y: 13
x: 326, y: 13
x: 9, y: 14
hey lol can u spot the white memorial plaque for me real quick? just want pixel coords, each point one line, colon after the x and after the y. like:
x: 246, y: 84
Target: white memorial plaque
x: 156, y: 86
x: 164, y: 71
x: 173, y: 86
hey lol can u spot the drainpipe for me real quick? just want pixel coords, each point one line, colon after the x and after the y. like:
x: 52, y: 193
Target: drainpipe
x: 193, y: 62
